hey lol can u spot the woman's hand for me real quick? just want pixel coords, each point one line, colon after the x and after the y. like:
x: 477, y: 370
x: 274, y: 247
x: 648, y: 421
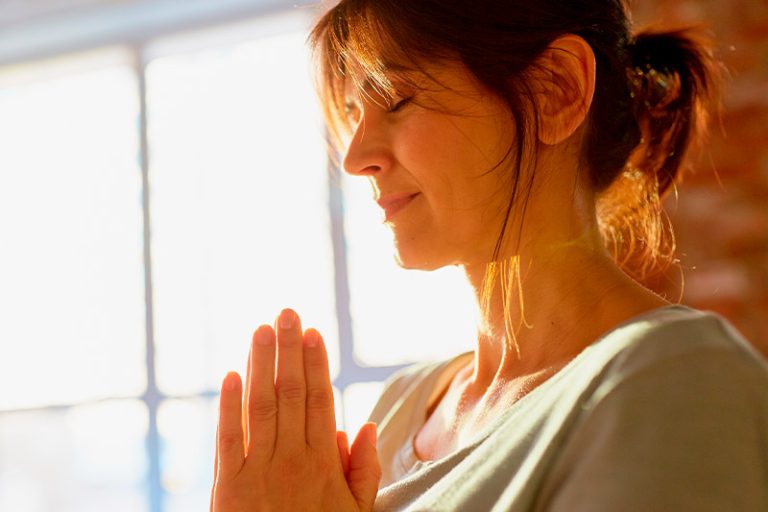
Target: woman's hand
x: 277, y: 448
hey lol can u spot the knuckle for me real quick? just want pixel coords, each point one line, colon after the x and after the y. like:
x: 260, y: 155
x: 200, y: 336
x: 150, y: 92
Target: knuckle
x: 291, y: 392
x: 229, y: 441
x: 315, y: 362
x: 319, y: 399
x: 262, y: 409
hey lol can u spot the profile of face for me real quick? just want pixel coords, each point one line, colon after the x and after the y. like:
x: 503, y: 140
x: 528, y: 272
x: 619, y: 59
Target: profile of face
x: 445, y: 143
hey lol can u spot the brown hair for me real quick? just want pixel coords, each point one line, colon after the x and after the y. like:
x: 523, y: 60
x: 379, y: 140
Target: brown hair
x: 652, y: 92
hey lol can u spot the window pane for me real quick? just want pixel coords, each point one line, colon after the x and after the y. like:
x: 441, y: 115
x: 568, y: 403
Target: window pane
x: 399, y: 316
x: 71, y: 268
x: 188, y: 432
x: 82, y: 459
x: 359, y: 400
x: 239, y: 205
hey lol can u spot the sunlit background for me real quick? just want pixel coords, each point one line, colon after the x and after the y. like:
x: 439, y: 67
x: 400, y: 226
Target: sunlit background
x: 165, y: 189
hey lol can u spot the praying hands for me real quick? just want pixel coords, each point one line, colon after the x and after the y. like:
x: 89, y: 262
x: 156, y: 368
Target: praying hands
x: 277, y: 447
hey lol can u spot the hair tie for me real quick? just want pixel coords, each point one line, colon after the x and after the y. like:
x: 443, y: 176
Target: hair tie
x: 655, y: 89
x: 654, y: 86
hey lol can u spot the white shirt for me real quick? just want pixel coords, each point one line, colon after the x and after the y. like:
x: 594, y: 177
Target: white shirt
x: 667, y: 412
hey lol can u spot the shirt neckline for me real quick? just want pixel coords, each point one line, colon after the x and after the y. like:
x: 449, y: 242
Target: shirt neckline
x: 407, y: 454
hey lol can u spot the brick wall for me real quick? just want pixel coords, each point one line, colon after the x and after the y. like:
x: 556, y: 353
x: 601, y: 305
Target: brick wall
x: 721, y: 213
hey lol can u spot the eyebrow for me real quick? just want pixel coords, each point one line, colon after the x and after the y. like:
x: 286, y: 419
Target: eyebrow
x: 367, y: 88
x: 396, y: 66
x: 399, y: 70
x: 393, y: 67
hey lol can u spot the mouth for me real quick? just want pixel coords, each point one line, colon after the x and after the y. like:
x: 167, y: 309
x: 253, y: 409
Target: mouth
x: 394, y: 203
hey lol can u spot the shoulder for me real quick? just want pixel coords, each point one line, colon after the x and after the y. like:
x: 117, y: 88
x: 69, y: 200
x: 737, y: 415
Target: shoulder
x: 680, y: 339
x: 675, y: 373
x: 677, y: 421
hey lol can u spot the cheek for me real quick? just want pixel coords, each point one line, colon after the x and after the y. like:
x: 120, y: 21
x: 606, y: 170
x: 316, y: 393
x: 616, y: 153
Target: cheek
x: 451, y: 159
x: 418, y: 143
x: 439, y: 149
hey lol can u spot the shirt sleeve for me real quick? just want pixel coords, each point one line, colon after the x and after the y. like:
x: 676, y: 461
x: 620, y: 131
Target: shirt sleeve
x: 689, y: 432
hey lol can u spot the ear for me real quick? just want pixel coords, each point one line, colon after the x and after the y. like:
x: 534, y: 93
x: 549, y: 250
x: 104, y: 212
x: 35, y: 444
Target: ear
x: 566, y: 85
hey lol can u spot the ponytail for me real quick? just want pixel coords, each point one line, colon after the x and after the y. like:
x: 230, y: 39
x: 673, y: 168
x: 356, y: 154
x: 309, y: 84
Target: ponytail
x: 652, y: 92
x: 673, y: 85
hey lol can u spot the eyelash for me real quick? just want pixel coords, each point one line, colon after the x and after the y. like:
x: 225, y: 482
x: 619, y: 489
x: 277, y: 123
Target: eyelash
x: 350, y: 108
x: 400, y: 104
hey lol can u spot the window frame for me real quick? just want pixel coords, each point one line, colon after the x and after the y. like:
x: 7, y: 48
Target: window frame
x: 143, y: 47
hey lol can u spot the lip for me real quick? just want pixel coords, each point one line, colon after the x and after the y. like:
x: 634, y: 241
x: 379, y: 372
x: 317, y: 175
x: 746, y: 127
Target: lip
x: 394, y: 203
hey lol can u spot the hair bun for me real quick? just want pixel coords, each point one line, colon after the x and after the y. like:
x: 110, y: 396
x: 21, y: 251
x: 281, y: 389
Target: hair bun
x: 673, y: 80
x: 653, y: 70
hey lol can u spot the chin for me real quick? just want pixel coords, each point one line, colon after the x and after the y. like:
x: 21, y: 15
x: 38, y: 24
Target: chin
x: 417, y: 260
x: 424, y: 266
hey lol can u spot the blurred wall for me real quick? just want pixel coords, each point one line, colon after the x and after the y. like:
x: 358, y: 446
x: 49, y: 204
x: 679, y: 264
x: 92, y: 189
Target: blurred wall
x: 721, y: 214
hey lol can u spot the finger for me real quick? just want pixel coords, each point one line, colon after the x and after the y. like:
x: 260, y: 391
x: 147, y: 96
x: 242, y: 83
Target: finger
x: 246, y: 395
x: 320, y: 416
x: 215, y: 467
x: 262, y: 403
x: 342, y: 443
x: 230, y: 430
x: 290, y: 386
x: 364, y: 468
x: 216, y: 456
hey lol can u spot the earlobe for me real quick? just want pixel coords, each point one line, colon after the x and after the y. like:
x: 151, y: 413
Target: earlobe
x: 568, y: 88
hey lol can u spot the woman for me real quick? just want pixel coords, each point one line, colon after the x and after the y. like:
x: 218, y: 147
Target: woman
x: 529, y: 143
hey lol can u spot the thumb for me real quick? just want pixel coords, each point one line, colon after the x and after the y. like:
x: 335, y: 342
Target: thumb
x: 364, y: 467
x: 342, y: 443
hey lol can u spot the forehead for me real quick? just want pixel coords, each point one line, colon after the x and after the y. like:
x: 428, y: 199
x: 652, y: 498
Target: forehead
x: 434, y: 77
x: 430, y: 77
x: 357, y: 79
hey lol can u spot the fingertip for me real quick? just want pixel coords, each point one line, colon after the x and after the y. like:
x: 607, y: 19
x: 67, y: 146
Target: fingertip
x: 231, y: 381
x: 342, y: 442
x: 366, y: 438
x: 364, y: 466
x: 263, y: 335
x: 372, y: 432
x: 312, y: 338
x: 341, y: 437
x: 288, y: 319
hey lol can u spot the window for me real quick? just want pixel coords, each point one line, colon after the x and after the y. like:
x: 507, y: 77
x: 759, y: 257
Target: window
x: 72, y: 366
x: 240, y: 226
x: 128, y: 290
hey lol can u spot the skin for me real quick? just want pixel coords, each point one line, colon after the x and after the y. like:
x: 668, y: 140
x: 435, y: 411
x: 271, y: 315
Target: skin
x: 573, y: 292
x: 277, y: 447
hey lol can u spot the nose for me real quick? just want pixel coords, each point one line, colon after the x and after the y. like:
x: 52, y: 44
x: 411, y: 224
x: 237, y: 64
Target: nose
x: 367, y: 153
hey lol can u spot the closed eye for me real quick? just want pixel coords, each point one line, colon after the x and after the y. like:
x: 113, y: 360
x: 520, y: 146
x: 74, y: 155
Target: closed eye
x: 400, y: 104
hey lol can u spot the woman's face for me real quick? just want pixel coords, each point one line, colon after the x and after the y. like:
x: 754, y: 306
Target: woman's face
x: 442, y: 145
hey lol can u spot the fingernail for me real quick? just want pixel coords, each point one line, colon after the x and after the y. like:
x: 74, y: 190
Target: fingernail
x: 230, y: 381
x: 287, y: 317
x: 263, y: 336
x: 311, y: 339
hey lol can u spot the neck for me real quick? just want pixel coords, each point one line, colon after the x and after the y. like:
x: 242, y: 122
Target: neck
x: 559, y: 302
